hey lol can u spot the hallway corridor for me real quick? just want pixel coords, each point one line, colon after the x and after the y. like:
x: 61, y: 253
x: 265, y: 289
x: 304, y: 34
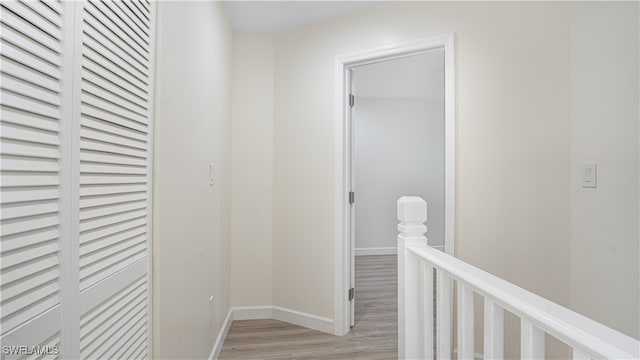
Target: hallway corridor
x: 373, y: 337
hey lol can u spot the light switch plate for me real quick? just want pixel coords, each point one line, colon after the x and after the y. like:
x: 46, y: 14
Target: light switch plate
x: 589, y: 175
x: 211, y: 170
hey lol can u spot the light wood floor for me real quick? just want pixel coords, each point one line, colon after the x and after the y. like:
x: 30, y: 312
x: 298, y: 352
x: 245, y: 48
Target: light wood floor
x: 375, y: 335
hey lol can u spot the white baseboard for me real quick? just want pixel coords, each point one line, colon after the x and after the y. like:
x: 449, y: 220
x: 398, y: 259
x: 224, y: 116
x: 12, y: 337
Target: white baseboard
x: 222, y: 335
x: 252, y: 312
x: 283, y: 314
x: 303, y: 319
x: 376, y: 251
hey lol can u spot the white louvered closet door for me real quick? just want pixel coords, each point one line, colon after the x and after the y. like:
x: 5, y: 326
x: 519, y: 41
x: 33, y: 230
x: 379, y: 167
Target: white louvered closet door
x: 76, y: 101
x: 113, y: 260
x: 32, y: 243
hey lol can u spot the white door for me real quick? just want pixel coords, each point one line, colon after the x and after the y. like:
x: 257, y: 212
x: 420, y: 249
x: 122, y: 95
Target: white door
x: 396, y: 148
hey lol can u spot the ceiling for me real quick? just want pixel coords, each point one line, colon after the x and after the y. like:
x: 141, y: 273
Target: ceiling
x: 271, y: 17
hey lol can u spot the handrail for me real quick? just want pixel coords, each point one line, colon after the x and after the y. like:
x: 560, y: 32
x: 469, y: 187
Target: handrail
x: 572, y: 328
x: 587, y: 338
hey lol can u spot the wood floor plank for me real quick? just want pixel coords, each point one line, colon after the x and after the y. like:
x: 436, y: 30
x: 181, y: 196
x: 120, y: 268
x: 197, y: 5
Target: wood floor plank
x: 374, y: 336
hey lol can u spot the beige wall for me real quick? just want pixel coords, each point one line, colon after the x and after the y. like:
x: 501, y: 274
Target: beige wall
x: 252, y: 170
x: 191, y: 218
x: 513, y: 141
x: 605, y: 259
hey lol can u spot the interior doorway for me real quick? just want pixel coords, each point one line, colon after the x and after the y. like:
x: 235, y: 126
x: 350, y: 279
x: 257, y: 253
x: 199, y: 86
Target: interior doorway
x: 397, y: 123
x: 398, y: 147
x: 405, y: 94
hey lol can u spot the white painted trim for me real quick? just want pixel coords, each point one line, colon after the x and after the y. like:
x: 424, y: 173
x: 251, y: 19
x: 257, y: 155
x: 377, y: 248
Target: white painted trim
x: 343, y: 63
x: 222, y: 335
x: 450, y: 145
x: 69, y: 279
x: 303, y: 319
x: 252, y: 312
x: 153, y: 11
x: 73, y: 347
x: 376, y: 251
x: 283, y: 314
x: 341, y: 277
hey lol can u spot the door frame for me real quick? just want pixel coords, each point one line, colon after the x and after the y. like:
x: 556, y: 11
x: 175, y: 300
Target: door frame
x: 342, y: 161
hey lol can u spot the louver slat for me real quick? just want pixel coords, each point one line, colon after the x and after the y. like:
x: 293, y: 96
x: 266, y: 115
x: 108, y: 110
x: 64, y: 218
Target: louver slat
x: 105, y: 331
x: 125, y: 115
x: 54, y: 5
x: 18, y: 70
x: 123, y: 87
x: 121, y: 60
x: 143, y: 3
x: 111, y: 190
x: 90, y: 236
x: 109, y: 84
x: 30, y: 45
x: 10, y: 147
x: 38, y: 21
x: 112, y: 97
x: 94, y: 14
x: 18, y: 23
x: 23, y: 88
x: 137, y: 15
x: 45, y: 12
x: 130, y: 20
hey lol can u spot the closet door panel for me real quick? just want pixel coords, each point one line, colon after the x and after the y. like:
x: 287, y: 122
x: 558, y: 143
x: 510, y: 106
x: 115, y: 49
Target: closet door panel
x: 75, y: 123
x: 31, y: 119
x: 114, y: 170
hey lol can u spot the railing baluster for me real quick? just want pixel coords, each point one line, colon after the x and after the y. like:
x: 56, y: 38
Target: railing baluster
x: 465, y: 322
x: 426, y: 308
x: 410, y: 327
x: 531, y: 341
x: 412, y: 214
x: 493, y: 330
x: 443, y: 317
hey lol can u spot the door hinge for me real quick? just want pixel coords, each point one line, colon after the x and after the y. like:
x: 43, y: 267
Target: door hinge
x: 352, y: 100
x: 352, y: 294
x: 352, y: 197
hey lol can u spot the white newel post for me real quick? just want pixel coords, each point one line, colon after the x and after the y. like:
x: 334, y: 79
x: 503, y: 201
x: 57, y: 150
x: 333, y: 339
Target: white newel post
x: 415, y: 283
